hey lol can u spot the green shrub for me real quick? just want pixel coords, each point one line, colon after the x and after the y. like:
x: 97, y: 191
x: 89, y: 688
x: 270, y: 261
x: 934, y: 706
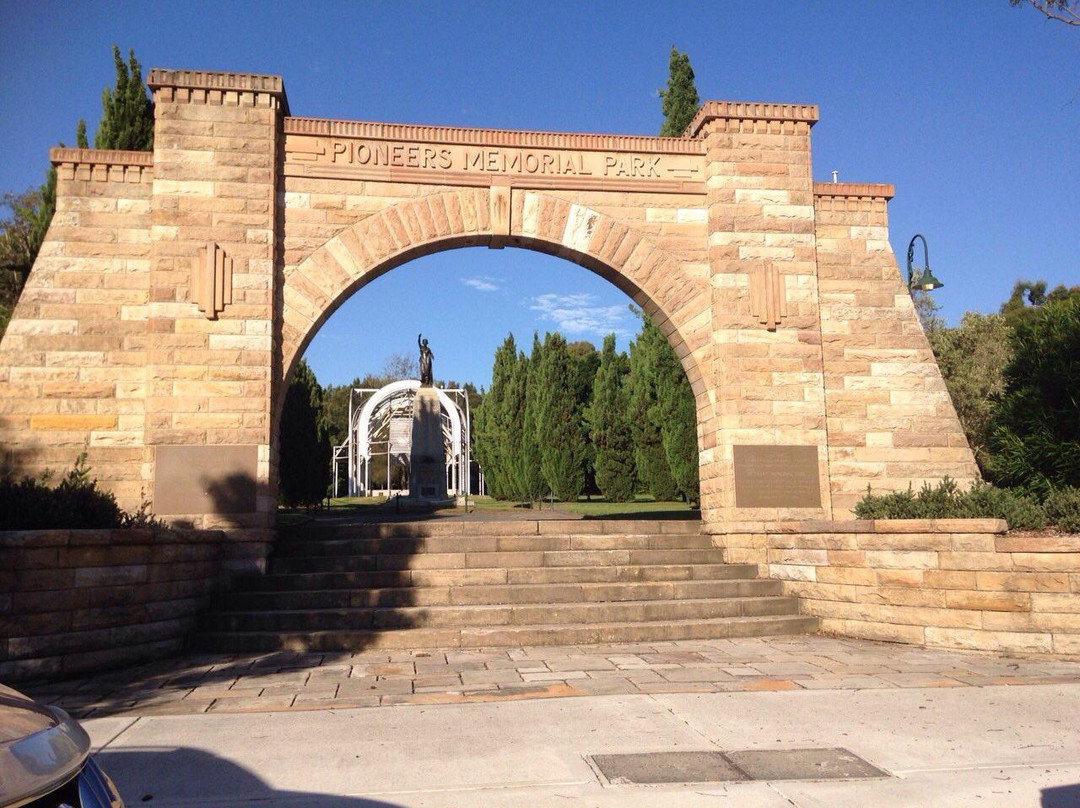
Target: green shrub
x: 1063, y: 509
x: 1021, y: 511
x: 75, y: 503
x: 947, y: 501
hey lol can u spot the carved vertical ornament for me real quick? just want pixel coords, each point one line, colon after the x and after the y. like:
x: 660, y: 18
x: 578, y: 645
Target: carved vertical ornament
x: 500, y: 215
x: 211, y: 281
x: 768, y: 300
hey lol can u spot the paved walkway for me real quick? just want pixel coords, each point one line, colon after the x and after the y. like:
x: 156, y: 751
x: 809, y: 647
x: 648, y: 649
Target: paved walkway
x: 953, y: 747
x: 292, y: 682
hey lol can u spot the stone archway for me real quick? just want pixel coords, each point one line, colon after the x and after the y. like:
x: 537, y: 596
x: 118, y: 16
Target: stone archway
x: 174, y: 290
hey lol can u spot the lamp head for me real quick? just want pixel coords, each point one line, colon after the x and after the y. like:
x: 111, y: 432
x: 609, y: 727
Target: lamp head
x: 927, y: 282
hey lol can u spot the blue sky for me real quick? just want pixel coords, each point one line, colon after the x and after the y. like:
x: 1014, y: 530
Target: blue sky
x: 970, y: 107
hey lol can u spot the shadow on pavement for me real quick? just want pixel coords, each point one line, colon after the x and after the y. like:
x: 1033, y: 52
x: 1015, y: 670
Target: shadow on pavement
x: 169, y: 777
x: 1061, y: 797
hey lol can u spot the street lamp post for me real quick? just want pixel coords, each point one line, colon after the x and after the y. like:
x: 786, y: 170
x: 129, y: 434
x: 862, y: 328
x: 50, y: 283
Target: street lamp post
x: 925, y: 282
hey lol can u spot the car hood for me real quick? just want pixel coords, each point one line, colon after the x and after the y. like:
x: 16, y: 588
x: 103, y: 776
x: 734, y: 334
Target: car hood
x: 40, y: 748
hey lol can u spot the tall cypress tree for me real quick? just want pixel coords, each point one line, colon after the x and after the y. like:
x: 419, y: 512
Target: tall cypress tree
x: 492, y: 430
x: 304, y: 464
x: 533, y: 485
x: 610, y: 430
x: 586, y: 361
x: 676, y: 413
x: 127, y: 116
x: 562, y: 445
x: 679, y: 102
x: 653, y: 471
x: 514, y: 403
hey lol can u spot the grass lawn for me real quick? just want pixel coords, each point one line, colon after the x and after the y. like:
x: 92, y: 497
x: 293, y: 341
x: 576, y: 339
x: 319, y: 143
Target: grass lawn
x: 643, y: 507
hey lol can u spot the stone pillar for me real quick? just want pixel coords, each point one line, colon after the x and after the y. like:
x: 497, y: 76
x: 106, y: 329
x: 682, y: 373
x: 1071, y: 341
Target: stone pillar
x: 217, y: 147
x: 891, y: 420
x: 771, y: 445
x: 427, y: 459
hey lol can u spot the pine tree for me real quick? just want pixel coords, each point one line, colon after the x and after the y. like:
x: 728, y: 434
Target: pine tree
x: 610, y: 430
x: 533, y: 485
x: 127, y: 117
x: 679, y: 102
x: 562, y: 445
x: 304, y: 464
x: 653, y: 471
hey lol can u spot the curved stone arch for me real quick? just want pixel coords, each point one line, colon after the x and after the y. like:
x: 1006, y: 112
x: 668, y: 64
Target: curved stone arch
x: 657, y: 281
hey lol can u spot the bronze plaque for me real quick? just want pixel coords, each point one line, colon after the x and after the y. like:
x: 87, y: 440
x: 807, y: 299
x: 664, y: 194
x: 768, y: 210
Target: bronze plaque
x: 205, y: 479
x: 777, y: 477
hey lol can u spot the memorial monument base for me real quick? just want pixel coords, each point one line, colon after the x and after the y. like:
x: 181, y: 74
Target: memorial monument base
x: 427, y: 461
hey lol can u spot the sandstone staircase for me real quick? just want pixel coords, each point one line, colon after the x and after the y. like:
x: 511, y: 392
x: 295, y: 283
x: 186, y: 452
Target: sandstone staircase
x: 461, y: 584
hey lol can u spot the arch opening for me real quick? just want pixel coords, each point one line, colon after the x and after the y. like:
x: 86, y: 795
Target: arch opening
x: 677, y: 303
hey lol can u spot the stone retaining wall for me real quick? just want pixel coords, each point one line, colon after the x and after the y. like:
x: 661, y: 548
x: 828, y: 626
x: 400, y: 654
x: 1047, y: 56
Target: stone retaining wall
x: 80, y: 600
x: 961, y: 583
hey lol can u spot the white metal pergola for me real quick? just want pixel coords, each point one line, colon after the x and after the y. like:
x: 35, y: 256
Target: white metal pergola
x: 380, y: 425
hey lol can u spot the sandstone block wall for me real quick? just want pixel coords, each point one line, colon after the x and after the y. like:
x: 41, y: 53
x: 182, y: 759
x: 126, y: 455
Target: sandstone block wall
x: 76, y: 601
x: 216, y: 151
x: 767, y: 378
x: 73, y: 358
x: 960, y: 583
x: 175, y: 290
x: 890, y: 420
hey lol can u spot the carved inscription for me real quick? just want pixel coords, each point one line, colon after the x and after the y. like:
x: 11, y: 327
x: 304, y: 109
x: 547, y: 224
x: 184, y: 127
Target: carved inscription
x: 777, y: 477
x: 338, y: 156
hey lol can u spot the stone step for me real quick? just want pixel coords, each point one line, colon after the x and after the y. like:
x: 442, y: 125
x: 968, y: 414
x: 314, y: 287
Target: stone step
x: 493, y: 594
x: 504, y: 636
x: 496, y: 559
x: 495, y: 527
x: 497, y: 615
x: 387, y: 579
x: 289, y: 548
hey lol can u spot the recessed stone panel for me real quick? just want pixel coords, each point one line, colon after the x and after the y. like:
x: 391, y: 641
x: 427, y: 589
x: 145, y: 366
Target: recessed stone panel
x: 777, y: 477
x: 205, y: 479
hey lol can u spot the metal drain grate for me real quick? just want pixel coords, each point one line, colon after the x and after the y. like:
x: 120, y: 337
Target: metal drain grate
x: 667, y: 767
x: 652, y: 768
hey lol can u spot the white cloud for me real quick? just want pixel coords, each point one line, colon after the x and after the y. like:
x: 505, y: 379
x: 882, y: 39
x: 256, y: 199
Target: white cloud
x: 482, y: 283
x: 580, y: 314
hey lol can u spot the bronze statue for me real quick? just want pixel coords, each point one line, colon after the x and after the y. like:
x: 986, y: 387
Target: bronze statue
x: 425, y: 361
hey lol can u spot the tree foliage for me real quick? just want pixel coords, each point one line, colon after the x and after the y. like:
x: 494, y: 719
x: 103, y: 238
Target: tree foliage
x: 653, y: 471
x: 498, y: 425
x: 559, y: 427
x: 1064, y: 11
x: 609, y: 427
x: 676, y: 412
x: 533, y: 484
x: 679, y: 101
x: 586, y: 362
x: 304, y: 457
x: 972, y: 358
x: 1035, y: 443
x: 127, y: 112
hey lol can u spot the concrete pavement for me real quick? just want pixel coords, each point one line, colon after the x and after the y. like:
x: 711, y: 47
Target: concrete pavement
x: 995, y: 746
x: 290, y: 681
